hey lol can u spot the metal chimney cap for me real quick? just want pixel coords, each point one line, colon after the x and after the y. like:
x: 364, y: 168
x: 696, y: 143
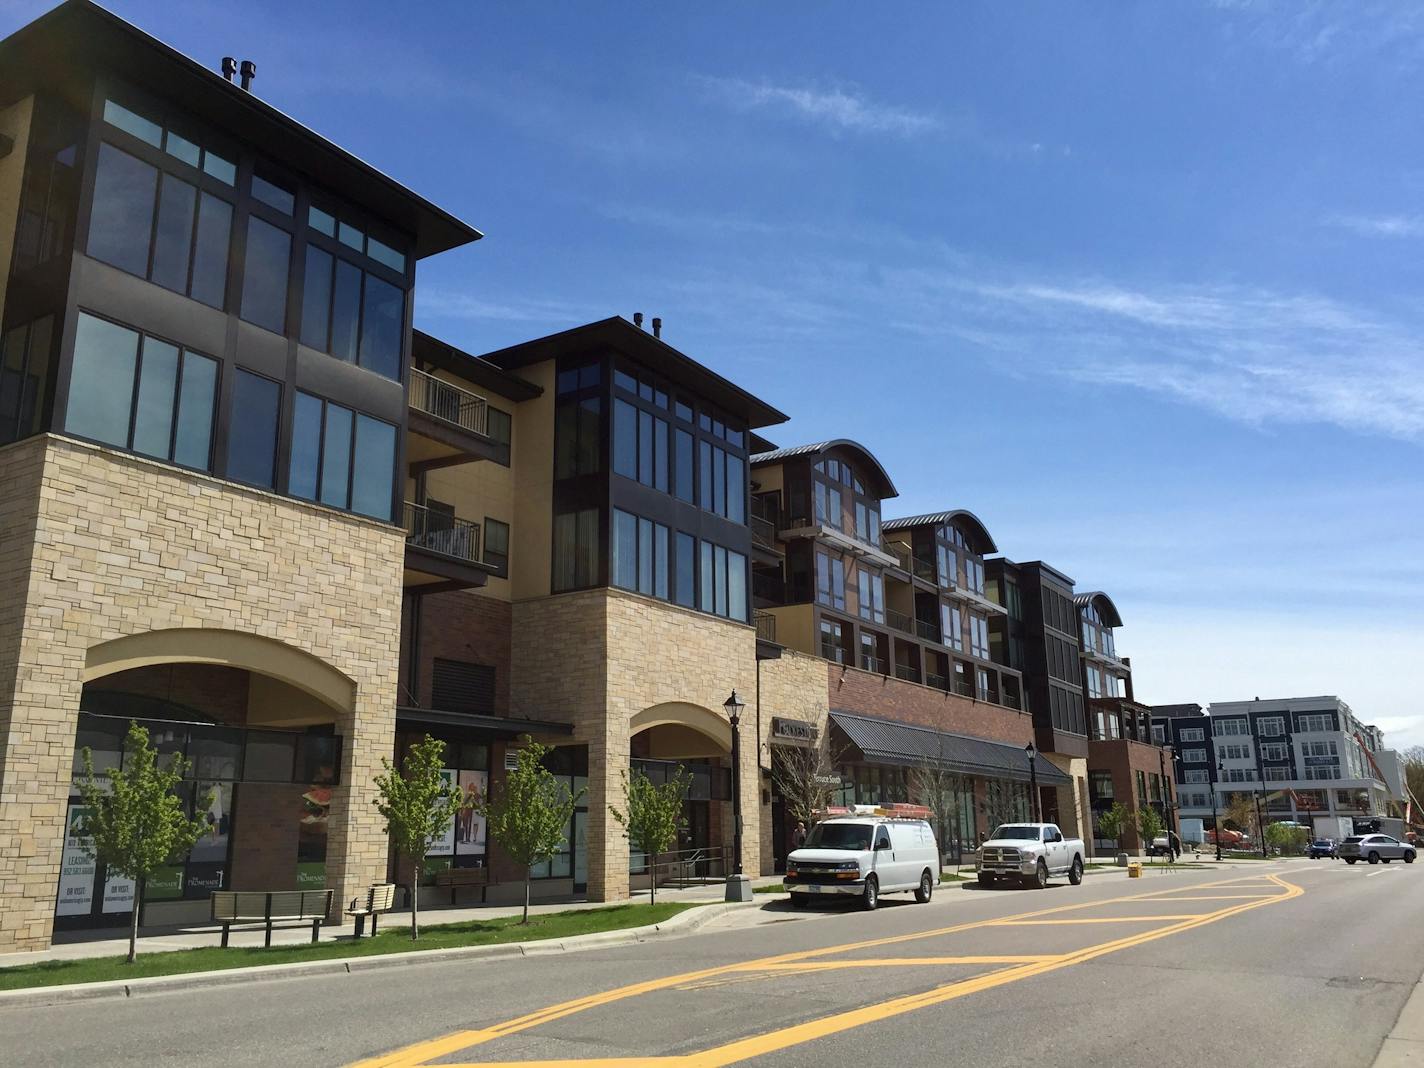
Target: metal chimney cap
x: 638, y: 320
x: 229, y: 67
x: 249, y: 71
x: 657, y: 327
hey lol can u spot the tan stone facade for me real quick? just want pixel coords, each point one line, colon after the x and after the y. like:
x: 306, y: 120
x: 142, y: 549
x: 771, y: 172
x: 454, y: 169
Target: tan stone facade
x: 611, y: 662
x: 99, y: 547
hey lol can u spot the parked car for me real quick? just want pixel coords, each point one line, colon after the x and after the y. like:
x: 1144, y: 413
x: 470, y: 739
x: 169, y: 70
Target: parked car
x: 1375, y: 848
x: 1028, y: 853
x: 1165, y: 845
x: 1321, y: 847
x: 864, y: 857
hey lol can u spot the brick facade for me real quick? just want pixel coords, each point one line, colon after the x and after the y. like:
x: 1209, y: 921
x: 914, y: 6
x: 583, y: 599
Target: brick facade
x: 97, y: 545
x: 461, y: 625
x: 871, y: 694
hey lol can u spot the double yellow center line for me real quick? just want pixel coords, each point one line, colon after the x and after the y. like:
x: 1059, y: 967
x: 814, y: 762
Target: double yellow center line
x: 1016, y: 968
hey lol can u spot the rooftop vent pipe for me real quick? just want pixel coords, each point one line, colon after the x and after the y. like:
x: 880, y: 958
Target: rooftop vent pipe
x: 249, y: 71
x: 638, y: 320
x: 657, y: 327
x: 229, y: 67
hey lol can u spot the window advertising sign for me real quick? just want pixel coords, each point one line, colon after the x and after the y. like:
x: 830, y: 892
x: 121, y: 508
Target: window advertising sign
x: 469, y: 824
x: 76, y: 871
x: 443, y: 845
x: 118, y: 894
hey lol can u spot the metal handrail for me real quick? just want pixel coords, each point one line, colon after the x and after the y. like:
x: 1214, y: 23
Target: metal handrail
x: 936, y: 682
x: 872, y: 663
x: 924, y: 569
x: 899, y: 620
x: 684, y: 862
x: 763, y: 532
x: 927, y: 630
x: 765, y: 626
x: 442, y: 533
x: 908, y: 672
x: 832, y: 652
x: 439, y: 398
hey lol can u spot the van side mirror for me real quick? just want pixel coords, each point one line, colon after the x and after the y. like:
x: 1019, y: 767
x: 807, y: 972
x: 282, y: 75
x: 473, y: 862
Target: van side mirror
x: 882, y: 844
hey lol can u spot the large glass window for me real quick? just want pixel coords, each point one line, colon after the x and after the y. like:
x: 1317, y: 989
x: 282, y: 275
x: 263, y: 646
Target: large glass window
x: 682, y: 467
x: 872, y: 595
x: 640, y: 445
x: 140, y: 393
x: 685, y: 581
x: 576, y: 549
x: 830, y: 580
x: 24, y: 377
x: 252, y: 434
x: 164, y: 230
x: 576, y: 437
x: 264, y: 275
x: 341, y: 458
x: 640, y: 555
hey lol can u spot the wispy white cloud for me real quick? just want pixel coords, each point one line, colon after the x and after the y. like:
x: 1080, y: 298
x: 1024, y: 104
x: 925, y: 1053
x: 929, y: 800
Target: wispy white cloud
x: 1381, y: 225
x: 440, y: 303
x: 839, y: 109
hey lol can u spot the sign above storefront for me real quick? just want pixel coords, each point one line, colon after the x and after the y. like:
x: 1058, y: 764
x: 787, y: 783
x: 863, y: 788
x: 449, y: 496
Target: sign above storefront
x: 793, y: 730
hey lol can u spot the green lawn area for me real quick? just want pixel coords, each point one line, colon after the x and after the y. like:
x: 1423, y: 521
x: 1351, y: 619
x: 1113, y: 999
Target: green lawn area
x: 392, y: 939
x: 956, y: 877
x: 774, y: 888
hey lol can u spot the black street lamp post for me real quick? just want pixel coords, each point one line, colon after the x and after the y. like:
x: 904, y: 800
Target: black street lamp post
x: 1033, y: 781
x: 1166, y: 798
x: 1261, y: 821
x: 1215, y: 823
x: 739, y: 887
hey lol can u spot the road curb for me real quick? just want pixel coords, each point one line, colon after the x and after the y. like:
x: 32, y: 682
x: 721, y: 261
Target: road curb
x: 685, y: 922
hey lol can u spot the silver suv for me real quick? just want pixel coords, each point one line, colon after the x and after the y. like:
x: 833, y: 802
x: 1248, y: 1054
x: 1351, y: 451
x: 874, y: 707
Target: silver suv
x: 1375, y: 848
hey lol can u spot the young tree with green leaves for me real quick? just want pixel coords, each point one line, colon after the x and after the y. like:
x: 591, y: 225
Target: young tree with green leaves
x: 136, y: 822
x: 1149, y: 826
x: 652, y: 816
x: 530, y: 812
x: 1115, y: 822
x: 418, y: 804
x: 1287, y: 839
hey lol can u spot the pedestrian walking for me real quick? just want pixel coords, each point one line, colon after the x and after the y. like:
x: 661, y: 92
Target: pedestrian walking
x: 798, y: 836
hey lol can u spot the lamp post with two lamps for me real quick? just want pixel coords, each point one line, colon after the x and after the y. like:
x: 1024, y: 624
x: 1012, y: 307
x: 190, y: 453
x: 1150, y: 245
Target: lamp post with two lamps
x: 1033, y: 780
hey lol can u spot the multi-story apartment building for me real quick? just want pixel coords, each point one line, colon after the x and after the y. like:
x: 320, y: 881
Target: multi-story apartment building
x: 1038, y: 633
x: 1125, y: 764
x: 203, y: 406
x: 1301, y: 757
x: 897, y: 609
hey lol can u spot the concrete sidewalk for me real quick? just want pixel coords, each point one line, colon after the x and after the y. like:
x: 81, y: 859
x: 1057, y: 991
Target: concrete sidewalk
x: 75, y: 945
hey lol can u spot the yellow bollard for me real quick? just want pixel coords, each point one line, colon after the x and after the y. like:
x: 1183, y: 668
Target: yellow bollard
x: 1134, y: 871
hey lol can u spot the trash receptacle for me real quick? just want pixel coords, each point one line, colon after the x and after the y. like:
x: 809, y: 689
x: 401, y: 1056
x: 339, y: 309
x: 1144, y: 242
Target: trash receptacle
x: 1134, y: 871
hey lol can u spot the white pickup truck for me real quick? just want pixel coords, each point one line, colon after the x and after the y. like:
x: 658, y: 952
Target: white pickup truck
x: 1028, y: 853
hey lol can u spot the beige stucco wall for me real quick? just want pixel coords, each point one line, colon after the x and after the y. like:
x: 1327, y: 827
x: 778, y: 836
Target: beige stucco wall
x: 99, y: 545
x: 793, y: 687
x: 15, y: 124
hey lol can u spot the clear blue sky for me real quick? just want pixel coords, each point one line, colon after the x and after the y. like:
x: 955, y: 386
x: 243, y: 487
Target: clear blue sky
x: 1138, y: 284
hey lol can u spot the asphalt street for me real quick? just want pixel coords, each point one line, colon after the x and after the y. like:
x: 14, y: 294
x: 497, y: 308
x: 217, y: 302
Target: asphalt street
x: 1287, y: 963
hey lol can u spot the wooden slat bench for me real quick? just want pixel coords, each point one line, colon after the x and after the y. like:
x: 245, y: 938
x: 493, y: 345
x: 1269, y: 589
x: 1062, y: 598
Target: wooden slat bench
x: 271, y: 907
x: 456, y: 878
x: 378, y: 899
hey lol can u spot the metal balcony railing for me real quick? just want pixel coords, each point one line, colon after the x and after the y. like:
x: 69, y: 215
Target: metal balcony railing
x: 908, y: 672
x: 464, y: 409
x: 763, y: 532
x: 927, y: 630
x: 899, y: 621
x: 872, y: 663
x: 832, y: 652
x: 765, y: 626
x: 442, y: 533
x: 937, y: 682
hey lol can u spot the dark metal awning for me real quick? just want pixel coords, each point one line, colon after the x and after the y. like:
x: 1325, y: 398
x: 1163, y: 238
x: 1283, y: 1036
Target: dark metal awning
x: 504, y: 726
x: 883, y: 741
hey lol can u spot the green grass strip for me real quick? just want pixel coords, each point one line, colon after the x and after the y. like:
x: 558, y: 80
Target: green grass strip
x: 394, y: 938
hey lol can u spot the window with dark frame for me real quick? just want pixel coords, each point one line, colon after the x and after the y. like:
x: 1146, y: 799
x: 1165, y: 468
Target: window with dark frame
x: 341, y: 457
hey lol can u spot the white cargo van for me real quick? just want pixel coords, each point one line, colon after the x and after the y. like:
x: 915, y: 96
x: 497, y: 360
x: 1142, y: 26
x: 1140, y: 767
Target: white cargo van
x: 864, y: 856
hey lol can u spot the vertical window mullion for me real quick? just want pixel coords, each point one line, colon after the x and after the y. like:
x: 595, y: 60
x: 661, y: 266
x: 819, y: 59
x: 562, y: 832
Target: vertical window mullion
x: 192, y: 254
x: 153, y: 219
x: 177, y: 400
x: 351, y: 464
x: 137, y: 382
x: 320, y: 448
x: 360, y: 317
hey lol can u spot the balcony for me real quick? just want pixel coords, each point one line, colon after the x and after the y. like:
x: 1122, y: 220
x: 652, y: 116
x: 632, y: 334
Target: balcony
x: 936, y: 682
x: 821, y: 530
x: 832, y: 652
x: 765, y: 626
x: 442, y: 551
x: 448, y: 425
x: 907, y: 672
x: 764, y: 547
x: 872, y: 663
x: 899, y: 621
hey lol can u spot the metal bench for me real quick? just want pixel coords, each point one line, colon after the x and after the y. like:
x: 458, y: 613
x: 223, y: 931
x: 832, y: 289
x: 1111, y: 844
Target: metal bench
x: 271, y: 907
x: 455, y: 878
x: 380, y: 898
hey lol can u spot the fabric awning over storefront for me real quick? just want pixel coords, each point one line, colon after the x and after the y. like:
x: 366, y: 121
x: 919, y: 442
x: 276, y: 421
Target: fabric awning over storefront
x: 503, y: 726
x: 883, y: 741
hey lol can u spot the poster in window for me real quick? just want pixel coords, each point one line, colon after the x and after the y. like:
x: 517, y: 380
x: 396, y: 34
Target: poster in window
x: 311, y: 837
x: 76, y: 871
x: 443, y: 844
x: 118, y: 894
x: 212, y: 846
x: 469, y: 824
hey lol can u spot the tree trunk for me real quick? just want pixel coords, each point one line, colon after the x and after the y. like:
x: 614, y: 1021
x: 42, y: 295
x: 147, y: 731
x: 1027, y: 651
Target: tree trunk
x: 652, y: 878
x: 133, y: 921
x: 415, y: 902
x: 527, y: 877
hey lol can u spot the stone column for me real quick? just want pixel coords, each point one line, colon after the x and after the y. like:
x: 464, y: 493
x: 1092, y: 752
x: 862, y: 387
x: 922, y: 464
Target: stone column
x: 608, y: 762
x: 357, y: 847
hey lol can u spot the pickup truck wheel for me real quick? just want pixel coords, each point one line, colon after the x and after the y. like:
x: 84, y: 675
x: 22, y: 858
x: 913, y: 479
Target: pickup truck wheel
x: 1374, y: 857
x: 925, y: 889
x: 1040, y: 876
x: 985, y: 879
x: 871, y: 897
x: 1075, y: 873
x: 800, y: 901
